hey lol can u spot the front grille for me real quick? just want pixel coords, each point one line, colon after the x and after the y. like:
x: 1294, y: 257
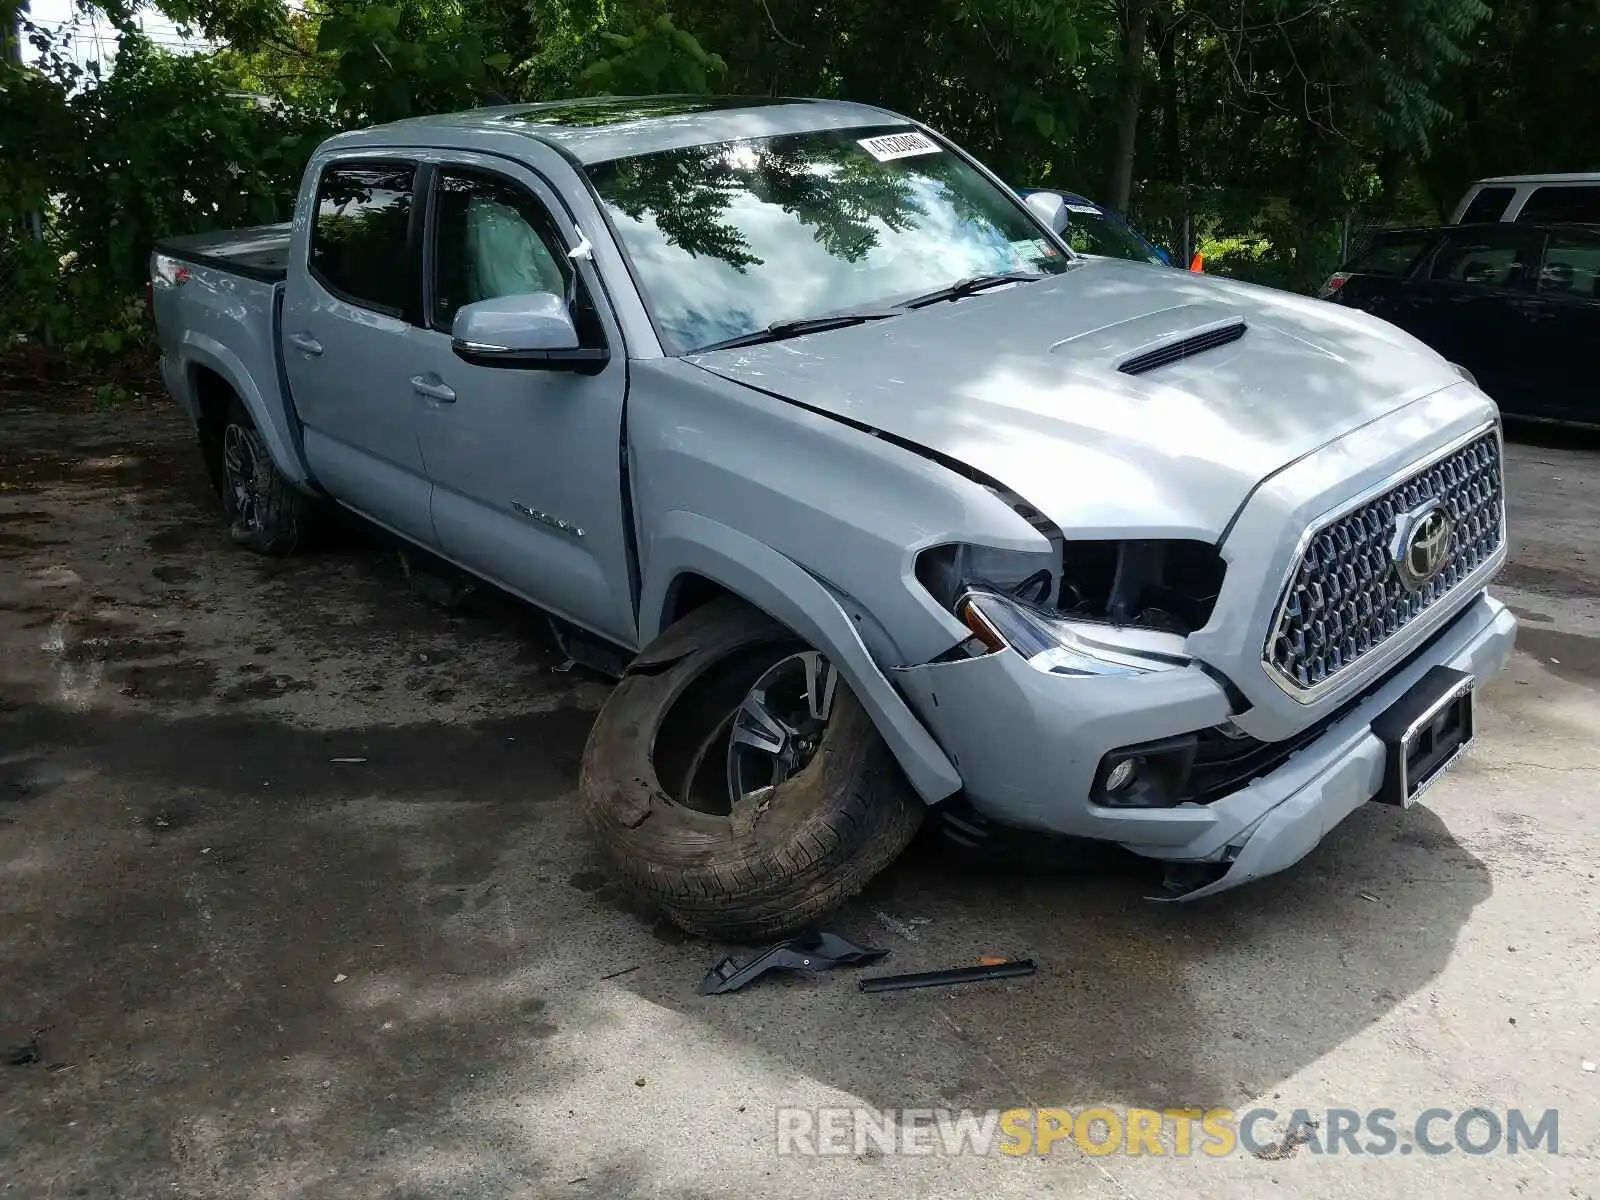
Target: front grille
x: 1346, y: 596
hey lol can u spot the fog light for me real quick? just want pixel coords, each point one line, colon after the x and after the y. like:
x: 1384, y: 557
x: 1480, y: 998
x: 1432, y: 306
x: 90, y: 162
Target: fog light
x: 1121, y: 775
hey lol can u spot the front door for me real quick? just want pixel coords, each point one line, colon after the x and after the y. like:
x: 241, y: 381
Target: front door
x: 1564, y: 319
x: 526, y: 463
x: 1477, y: 281
x: 348, y: 341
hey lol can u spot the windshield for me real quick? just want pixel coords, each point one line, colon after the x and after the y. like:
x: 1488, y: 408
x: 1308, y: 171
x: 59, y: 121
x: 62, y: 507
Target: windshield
x: 729, y: 238
x: 1096, y: 233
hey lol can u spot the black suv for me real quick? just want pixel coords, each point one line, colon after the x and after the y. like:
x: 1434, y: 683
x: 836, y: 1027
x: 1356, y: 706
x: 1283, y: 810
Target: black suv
x: 1518, y: 305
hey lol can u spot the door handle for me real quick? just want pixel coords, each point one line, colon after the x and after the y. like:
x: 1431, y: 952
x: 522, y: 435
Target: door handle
x: 433, y: 388
x: 305, y: 343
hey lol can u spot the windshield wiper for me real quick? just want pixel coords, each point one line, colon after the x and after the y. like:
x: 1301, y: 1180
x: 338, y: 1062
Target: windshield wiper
x: 971, y: 284
x: 796, y: 326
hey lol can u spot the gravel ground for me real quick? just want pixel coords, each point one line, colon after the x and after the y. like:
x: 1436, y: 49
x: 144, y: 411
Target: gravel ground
x: 293, y: 891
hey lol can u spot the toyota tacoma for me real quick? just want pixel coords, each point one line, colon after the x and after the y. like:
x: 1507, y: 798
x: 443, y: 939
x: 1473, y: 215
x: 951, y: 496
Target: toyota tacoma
x: 890, y: 502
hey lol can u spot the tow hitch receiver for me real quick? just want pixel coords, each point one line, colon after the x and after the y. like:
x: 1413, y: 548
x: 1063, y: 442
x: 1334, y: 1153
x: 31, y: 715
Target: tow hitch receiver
x: 1424, y: 732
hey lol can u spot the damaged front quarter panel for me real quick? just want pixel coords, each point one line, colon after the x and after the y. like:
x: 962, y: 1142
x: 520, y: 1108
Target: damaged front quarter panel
x: 1028, y: 742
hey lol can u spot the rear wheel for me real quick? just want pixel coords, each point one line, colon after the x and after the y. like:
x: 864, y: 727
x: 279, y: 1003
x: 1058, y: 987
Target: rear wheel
x: 735, y: 783
x: 265, y: 511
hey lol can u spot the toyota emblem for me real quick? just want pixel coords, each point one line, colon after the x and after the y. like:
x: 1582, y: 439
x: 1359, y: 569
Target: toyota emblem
x: 1421, y: 547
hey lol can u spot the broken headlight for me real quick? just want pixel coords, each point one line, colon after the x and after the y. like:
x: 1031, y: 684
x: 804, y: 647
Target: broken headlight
x: 1054, y: 643
x: 948, y: 571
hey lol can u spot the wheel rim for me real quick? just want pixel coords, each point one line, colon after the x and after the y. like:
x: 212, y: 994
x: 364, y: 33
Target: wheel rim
x: 240, y: 468
x: 776, y: 729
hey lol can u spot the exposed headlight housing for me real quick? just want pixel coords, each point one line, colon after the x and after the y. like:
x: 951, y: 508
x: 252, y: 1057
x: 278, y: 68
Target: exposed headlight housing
x: 1051, y: 642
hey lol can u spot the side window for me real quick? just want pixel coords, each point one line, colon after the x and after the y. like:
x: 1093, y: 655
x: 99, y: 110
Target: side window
x: 1571, y: 203
x: 1483, y: 258
x: 358, y: 246
x: 490, y: 239
x: 1488, y: 205
x: 1390, y: 254
x: 1571, y: 266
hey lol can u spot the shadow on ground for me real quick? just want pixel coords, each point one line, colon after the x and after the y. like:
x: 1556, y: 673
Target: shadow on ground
x: 1135, y: 1002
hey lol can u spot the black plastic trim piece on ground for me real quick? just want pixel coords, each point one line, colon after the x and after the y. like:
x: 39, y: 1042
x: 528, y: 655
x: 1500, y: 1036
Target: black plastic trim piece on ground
x: 808, y: 952
x: 900, y: 983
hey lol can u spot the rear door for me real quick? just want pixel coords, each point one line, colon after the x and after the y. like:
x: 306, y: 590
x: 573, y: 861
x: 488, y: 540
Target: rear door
x: 349, y: 341
x: 1470, y: 309
x: 1563, y: 314
x: 526, y: 463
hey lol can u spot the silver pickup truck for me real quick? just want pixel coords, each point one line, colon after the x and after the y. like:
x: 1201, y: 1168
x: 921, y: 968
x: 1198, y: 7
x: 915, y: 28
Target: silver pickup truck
x: 890, y: 502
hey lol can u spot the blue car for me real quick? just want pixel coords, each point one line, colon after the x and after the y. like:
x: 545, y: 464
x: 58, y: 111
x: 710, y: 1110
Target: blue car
x: 1097, y: 230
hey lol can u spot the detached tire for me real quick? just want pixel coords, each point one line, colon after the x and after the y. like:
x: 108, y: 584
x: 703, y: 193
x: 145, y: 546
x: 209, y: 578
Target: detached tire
x: 761, y: 870
x: 265, y: 512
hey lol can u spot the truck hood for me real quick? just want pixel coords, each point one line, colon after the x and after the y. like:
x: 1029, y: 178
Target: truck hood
x: 1023, y: 384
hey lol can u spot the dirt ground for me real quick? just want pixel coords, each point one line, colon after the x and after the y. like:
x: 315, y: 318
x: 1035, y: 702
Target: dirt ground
x: 294, y: 903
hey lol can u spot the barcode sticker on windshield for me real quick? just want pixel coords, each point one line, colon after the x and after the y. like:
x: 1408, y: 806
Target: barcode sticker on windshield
x: 898, y: 145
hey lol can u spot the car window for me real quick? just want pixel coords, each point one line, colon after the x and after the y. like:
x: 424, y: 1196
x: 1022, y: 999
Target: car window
x: 1483, y: 258
x: 1488, y: 205
x: 1389, y: 254
x: 358, y: 245
x: 1091, y: 232
x: 1569, y: 203
x: 490, y: 239
x: 730, y: 237
x: 1571, y: 265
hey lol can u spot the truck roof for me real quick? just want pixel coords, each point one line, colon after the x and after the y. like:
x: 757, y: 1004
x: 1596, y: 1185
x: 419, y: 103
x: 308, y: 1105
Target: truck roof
x: 610, y: 127
x: 1559, y: 177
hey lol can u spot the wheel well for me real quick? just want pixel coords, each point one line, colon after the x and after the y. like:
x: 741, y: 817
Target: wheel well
x: 689, y: 592
x: 213, y: 396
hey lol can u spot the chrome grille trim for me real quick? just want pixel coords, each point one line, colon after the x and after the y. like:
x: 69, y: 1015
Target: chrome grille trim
x: 1343, y: 599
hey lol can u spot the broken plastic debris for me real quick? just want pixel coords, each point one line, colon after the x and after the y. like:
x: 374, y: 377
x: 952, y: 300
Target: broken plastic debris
x: 1369, y: 896
x: 1588, y: 1066
x: 812, y: 951
x: 565, y: 667
x: 1004, y: 969
x: 340, y: 978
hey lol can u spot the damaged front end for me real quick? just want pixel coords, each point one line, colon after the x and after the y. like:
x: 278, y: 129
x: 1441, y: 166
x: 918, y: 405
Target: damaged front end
x: 1074, y: 705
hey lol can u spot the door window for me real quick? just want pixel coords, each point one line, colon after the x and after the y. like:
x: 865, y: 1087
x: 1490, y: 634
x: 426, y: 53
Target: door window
x: 1389, y: 254
x: 1489, y: 258
x: 1578, y: 203
x: 1571, y: 266
x: 358, y: 244
x: 491, y: 239
x: 1488, y: 205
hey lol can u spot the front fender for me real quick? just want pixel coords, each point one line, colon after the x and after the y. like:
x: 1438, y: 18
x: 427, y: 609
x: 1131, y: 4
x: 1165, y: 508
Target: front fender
x: 687, y: 542
x: 271, y: 420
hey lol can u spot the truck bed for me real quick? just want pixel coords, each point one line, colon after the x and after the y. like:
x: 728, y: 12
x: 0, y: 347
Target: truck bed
x: 258, y: 252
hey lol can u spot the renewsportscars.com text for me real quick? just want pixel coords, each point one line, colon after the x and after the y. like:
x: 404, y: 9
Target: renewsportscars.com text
x: 1179, y: 1132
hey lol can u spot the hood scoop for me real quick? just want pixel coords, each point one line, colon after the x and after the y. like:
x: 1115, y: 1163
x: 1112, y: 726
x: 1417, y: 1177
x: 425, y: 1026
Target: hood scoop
x: 1176, y: 349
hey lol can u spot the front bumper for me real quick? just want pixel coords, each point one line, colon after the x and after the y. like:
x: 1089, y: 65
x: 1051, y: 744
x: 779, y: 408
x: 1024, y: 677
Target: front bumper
x: 1028, y: 745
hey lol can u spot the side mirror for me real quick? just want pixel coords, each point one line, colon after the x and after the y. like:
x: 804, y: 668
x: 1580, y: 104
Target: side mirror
x: 532, y: 331
x: 1051, y: 209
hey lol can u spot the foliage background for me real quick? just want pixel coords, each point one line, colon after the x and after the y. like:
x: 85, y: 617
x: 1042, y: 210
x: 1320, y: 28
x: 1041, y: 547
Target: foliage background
x: 1262, y: 132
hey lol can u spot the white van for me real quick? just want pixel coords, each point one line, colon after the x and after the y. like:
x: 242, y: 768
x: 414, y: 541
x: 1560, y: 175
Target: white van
x: 1573, y: 197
